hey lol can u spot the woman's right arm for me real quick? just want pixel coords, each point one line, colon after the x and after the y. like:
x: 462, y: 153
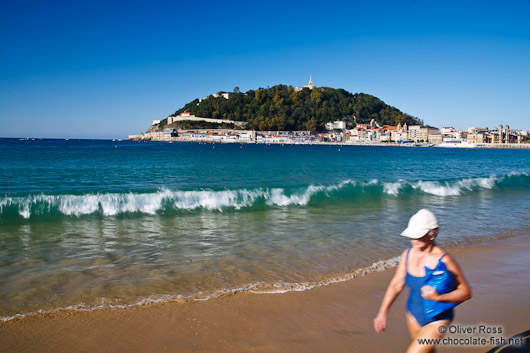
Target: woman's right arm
x: 394, y: 288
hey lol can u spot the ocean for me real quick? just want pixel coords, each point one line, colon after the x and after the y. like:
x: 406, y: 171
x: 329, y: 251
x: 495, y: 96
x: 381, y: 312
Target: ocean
x: 90, y: 224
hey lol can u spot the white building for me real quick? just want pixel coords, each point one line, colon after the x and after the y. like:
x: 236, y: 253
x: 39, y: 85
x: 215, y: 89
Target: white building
x: 273, y: 139
x: 245, y: 137
x: 310, y: 85
x: 448, y: 130
x: 336, y: 125
x: 225, y: 95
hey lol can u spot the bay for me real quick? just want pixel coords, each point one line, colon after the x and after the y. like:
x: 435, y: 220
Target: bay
x: 96, y: 223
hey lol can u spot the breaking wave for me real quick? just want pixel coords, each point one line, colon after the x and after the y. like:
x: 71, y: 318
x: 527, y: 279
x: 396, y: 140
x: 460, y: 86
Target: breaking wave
x: 166, y: 200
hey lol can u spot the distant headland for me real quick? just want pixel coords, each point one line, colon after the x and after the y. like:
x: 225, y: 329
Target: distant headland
x: 310, y: 114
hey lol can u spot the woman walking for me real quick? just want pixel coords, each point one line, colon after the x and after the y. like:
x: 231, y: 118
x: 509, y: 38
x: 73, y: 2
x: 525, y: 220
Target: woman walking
x: 424, y: 256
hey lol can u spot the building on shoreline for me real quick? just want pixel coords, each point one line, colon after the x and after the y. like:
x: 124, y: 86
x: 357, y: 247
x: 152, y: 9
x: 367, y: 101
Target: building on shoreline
x: 339, y: 133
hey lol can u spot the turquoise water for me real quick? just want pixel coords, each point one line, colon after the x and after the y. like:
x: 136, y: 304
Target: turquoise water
x: 88, y: 224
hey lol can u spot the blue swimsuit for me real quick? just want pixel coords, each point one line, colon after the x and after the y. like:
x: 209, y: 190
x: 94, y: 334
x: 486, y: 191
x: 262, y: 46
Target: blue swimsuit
x: 415, y: 302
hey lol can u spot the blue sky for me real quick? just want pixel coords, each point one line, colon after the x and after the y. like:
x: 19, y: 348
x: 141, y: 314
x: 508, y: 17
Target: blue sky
x: 106, y: 69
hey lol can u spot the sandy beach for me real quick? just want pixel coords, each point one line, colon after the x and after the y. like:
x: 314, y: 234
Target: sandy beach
x: 334, y: 318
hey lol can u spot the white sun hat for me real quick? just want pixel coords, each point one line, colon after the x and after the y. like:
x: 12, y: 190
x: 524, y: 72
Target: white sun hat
x: 419, y: 224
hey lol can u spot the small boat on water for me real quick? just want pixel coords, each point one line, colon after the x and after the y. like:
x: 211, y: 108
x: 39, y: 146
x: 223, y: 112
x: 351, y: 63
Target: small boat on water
x: 458, y: 143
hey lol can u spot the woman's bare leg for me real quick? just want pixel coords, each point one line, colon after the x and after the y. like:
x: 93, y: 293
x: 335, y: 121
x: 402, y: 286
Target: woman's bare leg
x: 412, y: 324
x: 430, y: 331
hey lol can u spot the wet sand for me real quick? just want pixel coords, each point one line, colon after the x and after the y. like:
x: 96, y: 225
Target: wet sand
x: 335, y: 318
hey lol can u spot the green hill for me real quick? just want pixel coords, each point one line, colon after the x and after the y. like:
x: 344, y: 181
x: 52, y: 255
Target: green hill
x: 283, y: 108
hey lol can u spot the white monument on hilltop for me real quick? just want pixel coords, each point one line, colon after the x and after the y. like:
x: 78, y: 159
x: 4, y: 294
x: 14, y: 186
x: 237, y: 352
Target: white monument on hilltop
x: 310, y: 85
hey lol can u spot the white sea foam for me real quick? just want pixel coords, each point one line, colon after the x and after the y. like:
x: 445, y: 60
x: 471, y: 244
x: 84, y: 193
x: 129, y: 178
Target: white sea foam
x: 513, y: 173
x: 393, y: 188
x: 78, y: 205
x: 24, y: 210
x: 214, y: 200
x: 458, y: 187
x: 112, y: 204
x: 442, y: 188
x: 437, y: 188
x: 277, y: 197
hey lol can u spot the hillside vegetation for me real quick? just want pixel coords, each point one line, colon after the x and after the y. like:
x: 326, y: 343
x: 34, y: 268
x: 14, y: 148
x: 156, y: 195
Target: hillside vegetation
x: 282, y: 108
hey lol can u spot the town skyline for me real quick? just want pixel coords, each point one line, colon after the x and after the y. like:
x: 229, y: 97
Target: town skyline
x: 338, y: 131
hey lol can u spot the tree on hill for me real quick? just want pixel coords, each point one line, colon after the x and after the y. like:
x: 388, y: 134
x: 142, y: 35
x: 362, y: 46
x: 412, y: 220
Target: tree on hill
x: 282, y: 108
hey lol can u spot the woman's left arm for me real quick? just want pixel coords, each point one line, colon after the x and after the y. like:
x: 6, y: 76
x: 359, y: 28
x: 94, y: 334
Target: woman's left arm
x: 462, y: 291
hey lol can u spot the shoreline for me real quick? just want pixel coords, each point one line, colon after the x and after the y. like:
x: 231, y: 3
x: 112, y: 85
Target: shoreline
x: 335, y: 317
x: 253, y: 289
x: 520, y: 146
x: 258, y: 288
